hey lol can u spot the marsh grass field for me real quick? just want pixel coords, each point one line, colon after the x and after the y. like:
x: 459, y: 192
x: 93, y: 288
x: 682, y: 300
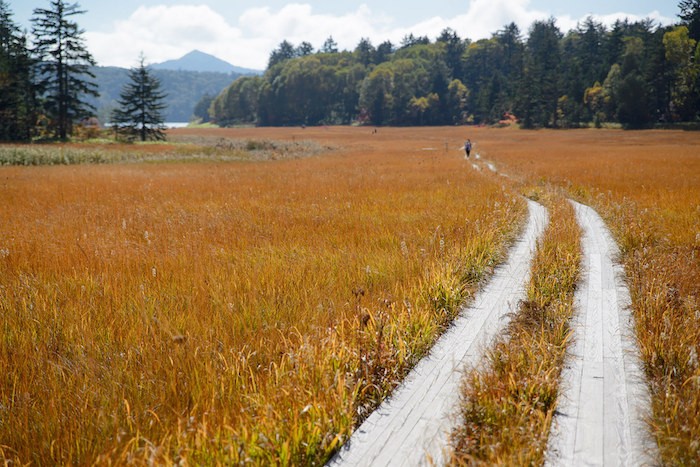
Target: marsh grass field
x: 230, y: 312
x: 250, y: 295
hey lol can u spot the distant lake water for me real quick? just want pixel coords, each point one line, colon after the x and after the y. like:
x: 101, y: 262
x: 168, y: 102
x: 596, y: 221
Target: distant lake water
x: 167, y: 124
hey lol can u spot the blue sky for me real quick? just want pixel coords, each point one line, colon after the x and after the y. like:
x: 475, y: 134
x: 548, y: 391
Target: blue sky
x: 244, y: 32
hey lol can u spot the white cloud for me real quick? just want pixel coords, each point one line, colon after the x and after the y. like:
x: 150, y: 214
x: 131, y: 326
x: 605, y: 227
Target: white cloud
x: 162, y: 33
x: 298, y: 22
x: 167, y: 32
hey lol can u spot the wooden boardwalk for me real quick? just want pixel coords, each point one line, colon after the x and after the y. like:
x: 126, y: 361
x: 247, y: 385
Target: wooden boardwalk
x: 604, y: 400
x: 412, y: 427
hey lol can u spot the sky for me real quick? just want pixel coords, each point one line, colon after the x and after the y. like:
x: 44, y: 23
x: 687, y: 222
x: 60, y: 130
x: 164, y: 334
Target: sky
x: 244, y: 32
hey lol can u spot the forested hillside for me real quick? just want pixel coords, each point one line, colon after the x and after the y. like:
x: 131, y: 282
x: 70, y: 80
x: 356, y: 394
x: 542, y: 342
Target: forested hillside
x: 183, y: 90
x: 634, y: 73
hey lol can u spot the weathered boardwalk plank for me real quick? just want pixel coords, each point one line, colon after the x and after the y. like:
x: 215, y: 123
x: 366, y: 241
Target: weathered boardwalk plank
x: 604, y: 400
x: 412, y: 427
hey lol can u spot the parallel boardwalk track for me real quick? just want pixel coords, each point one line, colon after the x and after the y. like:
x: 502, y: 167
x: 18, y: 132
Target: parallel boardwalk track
x: 412, y: 427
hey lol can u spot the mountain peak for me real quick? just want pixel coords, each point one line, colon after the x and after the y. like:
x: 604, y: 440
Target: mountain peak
x: 197, y: 60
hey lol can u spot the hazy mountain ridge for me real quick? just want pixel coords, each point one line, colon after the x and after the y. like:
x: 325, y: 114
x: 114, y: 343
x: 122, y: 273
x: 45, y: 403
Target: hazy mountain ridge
x: 200, y: 61
x: 184, y: 81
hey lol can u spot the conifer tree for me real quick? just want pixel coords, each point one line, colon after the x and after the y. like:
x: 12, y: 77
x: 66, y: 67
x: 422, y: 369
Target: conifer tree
x: 17, y: 92
x: 141, y: 105
x: 64, y: 75
x: 690, y: 14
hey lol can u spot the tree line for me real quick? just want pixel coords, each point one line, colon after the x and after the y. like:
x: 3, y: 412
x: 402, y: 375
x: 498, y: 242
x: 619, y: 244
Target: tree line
x: 45, y: 85
x: 633, y: 73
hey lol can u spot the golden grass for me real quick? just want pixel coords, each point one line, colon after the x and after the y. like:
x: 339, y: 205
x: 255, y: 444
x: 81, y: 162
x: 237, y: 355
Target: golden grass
x: 230, y: 313
x: 254, y: 312
x: 647, y: 187
x: 507, y: 406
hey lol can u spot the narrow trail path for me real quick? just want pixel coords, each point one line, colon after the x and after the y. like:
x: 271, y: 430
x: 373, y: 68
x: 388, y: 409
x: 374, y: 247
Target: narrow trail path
x: 412, y: 427
x: 603, y: 399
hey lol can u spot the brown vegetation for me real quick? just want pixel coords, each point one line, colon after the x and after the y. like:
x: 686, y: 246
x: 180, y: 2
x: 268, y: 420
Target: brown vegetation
x: 255, y: 311
x: 231, y: 312
x: 646, y: 185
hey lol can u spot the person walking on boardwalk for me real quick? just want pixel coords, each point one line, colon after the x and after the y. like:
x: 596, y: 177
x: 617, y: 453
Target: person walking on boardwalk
x: 468, y: 147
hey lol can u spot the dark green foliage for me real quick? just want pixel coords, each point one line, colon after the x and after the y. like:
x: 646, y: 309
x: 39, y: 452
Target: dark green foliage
x: 454, y: 48
x: 690, y: 14
x: 285, y: 51
x: 304, y: 49
x: 492, y: 72
x: 632, y: 110
x: 630, y: 73
x: 239, y: 102
x: 384, y: 52
x: 330, y: 46
x: 183, y: 89
x: 140, y: 107
x: 539, y: 91
x: 17, y: 103
x: 64, y: 75
x: 365, y: 52
x: 201, y: 110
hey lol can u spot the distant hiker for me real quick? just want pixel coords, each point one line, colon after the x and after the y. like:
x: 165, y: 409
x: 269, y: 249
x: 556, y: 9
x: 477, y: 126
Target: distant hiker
x: 468, y: 147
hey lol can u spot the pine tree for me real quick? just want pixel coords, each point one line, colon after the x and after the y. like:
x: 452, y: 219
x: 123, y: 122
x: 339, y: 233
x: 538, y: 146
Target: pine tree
x: 539, y: 91
x: 285, y: 51
x: 141, y: 105
x: 690, y: 14
x: 17, y: 91
x: 64, y: 66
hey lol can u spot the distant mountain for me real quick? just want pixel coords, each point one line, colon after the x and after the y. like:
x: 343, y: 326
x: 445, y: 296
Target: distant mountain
x: 200, y: 61
x: 183, y: 90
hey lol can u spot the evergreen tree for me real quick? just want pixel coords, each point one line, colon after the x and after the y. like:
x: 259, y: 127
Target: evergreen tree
x: 64, y: 66
x: 365, y: 52
x: 330, y: 46
x: 454, y: 49
x: 539, y: 87
x: 384, y: 52
x: 141, y: 104
x: 513, y: 50
x: 591, y: 53
x: 410, y: 40
x: 304, y: 49
x: 690, y: 14
x: 285, y: 51
x: 17, y: 92
x: 660, y: 77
